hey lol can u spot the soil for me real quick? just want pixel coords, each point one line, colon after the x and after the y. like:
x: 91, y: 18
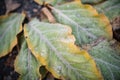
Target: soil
x: 7, y: 71
x: 2, y: 7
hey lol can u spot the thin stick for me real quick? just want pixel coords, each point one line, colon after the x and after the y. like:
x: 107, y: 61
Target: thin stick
x: 48, y: 15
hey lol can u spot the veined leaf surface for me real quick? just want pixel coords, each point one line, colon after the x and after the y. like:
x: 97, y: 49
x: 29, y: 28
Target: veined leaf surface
x: 26, y: 64
x: 10, y: 26
x: 111, y: 8
x: 54, y: 46
x: 107, y: 59
x: 85, y: 22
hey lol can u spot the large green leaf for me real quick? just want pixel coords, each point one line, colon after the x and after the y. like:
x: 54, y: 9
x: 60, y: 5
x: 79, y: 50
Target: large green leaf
x: 26, y: 64
x: 85, y: 22
x: 111, y: 8
x: 107, y: 59
x: 10, y: 26
x: 54, y: 46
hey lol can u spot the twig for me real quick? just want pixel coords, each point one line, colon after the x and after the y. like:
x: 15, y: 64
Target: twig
x: 48, y: 15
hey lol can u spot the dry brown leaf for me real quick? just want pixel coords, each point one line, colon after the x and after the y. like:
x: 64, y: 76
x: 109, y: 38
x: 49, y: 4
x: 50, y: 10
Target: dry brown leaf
x: 11, y: 5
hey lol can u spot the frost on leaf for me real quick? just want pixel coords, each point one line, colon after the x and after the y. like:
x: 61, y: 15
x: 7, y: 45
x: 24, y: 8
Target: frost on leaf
x: 53, y: 45
x: 108, y: 59
x: 10, y: 26
x: 111, y: 8
x: 26, y: 64
x: 87, y: 25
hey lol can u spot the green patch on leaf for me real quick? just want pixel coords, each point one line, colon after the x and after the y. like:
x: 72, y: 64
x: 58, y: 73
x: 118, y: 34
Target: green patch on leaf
x: 111, y: 8
x: 53, y: 45
x: 107, y: 59
x: 10, y: 26
x: 26, y: 64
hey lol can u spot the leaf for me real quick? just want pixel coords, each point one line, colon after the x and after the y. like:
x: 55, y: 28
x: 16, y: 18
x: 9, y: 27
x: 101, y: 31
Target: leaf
x: 10, y: 26
x: 107, y: 59
x: 52, y: 2
x: 92, y: 1
x: 26, y: 64
x: 53, y: 45
x: 111, y: 8
x: 87, y: 25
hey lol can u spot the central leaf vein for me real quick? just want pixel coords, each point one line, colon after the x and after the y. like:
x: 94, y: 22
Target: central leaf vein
x: 57, y: 53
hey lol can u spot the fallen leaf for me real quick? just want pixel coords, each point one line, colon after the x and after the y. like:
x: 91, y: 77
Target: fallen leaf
x: 11, y: 5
